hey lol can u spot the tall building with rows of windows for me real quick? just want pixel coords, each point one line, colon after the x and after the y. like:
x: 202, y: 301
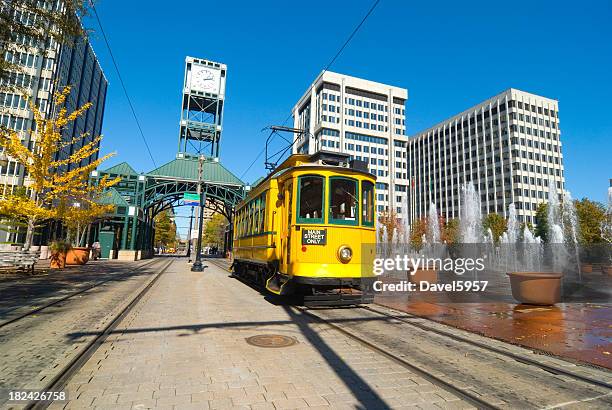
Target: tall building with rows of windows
x: 361, y: 118
x: 508, y: 146
x: 44, y: 69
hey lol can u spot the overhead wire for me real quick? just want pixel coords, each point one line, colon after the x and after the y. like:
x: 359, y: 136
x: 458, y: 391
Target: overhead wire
x: 110, y: 51
x: 327, y: 67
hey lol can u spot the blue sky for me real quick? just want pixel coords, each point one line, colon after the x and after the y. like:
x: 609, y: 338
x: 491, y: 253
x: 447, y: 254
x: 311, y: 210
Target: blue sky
x: 450, y: 55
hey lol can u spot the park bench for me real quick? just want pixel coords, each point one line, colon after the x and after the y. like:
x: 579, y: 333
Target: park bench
x: 19, y: 258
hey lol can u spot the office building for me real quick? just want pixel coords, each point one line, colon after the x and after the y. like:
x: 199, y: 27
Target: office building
x: 362, y: 118
x: 508, y: 146
x: 43, y: 71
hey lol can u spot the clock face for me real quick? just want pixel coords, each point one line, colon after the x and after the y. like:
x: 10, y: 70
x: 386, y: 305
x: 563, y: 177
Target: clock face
x: 204, y: 79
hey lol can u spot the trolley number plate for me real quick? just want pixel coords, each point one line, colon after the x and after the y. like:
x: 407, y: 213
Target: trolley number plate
x: 314, y: 236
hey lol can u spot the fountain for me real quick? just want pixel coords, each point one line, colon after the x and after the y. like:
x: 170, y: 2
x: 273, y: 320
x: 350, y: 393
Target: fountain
x: 470, y: 222
x: 406, y: 225
x: 384, y: 241
x: 529, y: 284
x: 510, y: 238
x: 513, y: 225
x: 433, y: 225
x: 532, y: 251
x: 569, y: 212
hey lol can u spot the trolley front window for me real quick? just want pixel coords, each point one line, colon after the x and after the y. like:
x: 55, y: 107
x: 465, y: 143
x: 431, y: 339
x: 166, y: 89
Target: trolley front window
x: 367, y: 199
x: 310, y: 199
x: 343, y: 201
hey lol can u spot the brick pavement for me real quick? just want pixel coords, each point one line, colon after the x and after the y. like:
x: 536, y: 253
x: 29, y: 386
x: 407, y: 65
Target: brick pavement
x: 183, y: 346
x: 33, y: 349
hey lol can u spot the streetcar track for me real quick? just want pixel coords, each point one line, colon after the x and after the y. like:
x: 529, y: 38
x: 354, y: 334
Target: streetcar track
x: 466, y: 395
x: 449, y: 387
x: 59, y: 381
x: 69, y: 296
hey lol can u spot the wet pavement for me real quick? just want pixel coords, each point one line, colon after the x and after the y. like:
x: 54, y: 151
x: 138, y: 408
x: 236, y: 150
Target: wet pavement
x: 577, y: 331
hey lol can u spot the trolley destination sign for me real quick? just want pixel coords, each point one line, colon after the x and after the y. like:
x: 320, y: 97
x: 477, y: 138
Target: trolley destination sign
x: 314, y: 236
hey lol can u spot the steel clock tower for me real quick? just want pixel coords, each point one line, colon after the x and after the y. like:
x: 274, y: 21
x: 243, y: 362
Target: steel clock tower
x: 202, y: 108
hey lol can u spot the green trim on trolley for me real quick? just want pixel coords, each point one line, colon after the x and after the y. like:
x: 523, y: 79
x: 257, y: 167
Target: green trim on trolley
x: 257, y: 234
x: 300, y: 220
x: 371, y: 205
x: 333, y: 221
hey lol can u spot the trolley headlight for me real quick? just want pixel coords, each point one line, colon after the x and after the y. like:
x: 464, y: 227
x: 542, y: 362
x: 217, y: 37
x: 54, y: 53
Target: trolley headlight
x: 345, y: 254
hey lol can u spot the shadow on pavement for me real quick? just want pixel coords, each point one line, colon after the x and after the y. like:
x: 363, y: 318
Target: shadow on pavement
x: 37, y: 291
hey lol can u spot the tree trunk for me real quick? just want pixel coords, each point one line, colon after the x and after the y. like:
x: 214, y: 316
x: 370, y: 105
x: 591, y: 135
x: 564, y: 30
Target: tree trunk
x: 29, y: 234
x: 31, y: 223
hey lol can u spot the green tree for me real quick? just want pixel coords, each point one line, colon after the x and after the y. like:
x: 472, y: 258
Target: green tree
x: 591, y: 216
x: 391, y: 222
x: 165, y: 230
x: 542, y: 221
x: 214, y: 230
x: 57, y: 21
x: 450, y: 231
x: 496, y: 223
x: 417, y: 231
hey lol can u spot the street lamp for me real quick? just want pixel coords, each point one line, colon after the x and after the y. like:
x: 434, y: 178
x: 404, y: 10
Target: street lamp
x: 189, y: 235
x: 197, y: 265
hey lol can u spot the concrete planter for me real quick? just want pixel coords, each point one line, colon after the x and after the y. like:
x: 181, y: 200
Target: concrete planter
x: 44, y: 252
x: 536, y: 288
x: 77, y: 256
x: 586, y: 268
x: 425, y: 275
x: 58, y: 260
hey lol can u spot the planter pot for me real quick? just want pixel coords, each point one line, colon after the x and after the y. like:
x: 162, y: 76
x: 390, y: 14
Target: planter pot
x: 586, y: 268
x: 536, y: 288
x: 58, y: 260
x: 44, y: 252
x: 606, y: 270
x: 425, y: 275
x: 77, y: 256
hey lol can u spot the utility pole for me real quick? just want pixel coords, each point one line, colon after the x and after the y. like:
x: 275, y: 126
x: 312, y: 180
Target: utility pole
x: 197, y: 265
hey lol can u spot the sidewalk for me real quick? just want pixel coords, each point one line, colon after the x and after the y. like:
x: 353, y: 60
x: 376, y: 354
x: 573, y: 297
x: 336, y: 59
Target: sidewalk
x: 183, y: 346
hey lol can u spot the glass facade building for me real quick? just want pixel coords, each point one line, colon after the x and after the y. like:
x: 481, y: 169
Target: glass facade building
x: 508, y: 147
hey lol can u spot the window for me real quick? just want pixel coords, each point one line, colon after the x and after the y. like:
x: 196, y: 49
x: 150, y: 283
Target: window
x: 310, y: 199
x: 367, y: 195
x: 343, y: 201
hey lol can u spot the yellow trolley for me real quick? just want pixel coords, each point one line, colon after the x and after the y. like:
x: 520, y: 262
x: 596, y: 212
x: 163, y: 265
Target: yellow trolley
x: 300, y: 230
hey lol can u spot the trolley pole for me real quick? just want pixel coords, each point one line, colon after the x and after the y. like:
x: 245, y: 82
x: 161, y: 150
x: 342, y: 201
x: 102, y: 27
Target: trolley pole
x: 197, y: 265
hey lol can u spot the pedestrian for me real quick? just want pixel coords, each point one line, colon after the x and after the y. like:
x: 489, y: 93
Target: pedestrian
x: 95, y: 250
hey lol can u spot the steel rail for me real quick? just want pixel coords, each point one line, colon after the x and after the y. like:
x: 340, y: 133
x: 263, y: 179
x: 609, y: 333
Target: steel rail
x: 465, y: 395
x: 64, y: 298
x: 59, y: 381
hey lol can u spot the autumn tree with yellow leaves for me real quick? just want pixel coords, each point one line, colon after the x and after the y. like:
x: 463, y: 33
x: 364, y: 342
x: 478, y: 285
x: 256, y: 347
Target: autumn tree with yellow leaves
x: 57, y: 181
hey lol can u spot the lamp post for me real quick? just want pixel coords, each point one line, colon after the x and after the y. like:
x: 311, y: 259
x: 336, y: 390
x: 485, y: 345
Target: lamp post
x: 197, y: 265
x: 189, y: 235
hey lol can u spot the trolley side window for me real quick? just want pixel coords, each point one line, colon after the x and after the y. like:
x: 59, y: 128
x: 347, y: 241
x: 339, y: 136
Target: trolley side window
x: 311, y: 190
x: 343, y: 201
x: 367, y: 199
